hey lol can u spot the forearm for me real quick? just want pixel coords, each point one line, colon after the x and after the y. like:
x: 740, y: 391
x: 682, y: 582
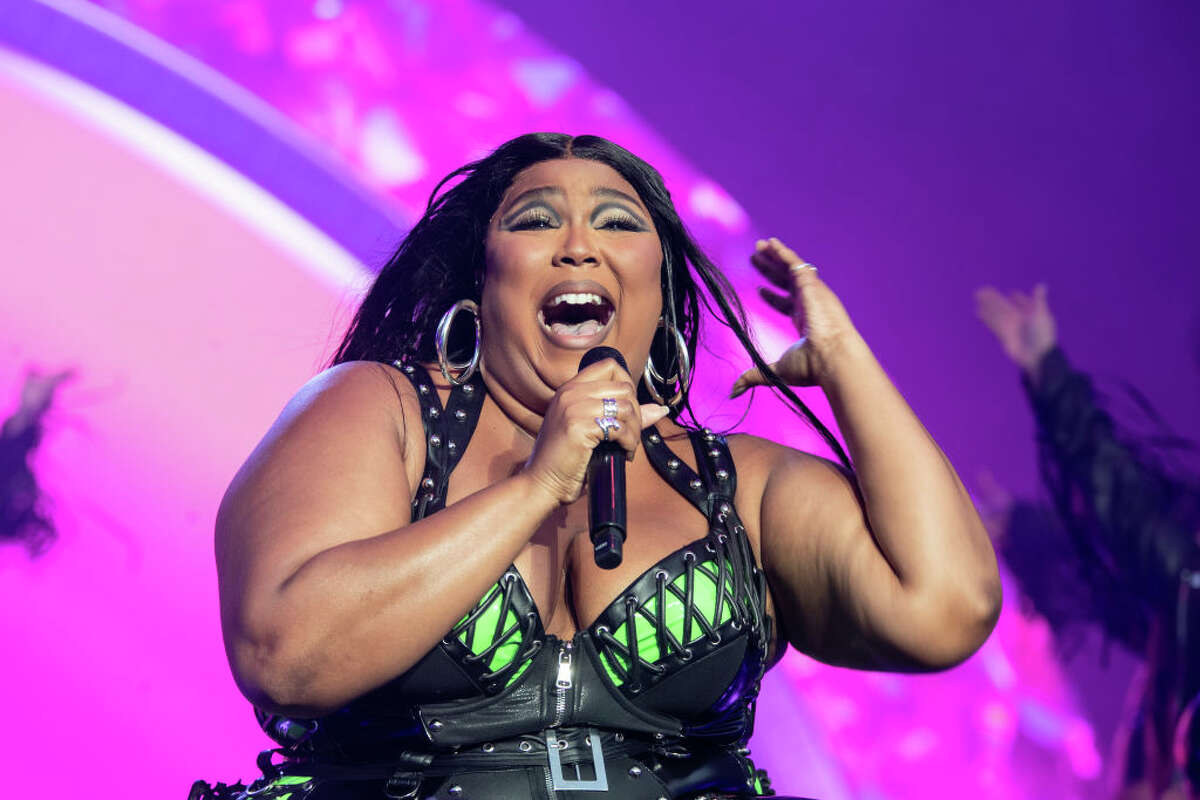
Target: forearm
x: 920, y: 514
x: 358, y: 614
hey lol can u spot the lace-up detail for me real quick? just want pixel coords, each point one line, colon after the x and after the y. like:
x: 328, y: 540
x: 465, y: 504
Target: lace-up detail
x: 690, y: 602
x: 499, y: 637
x: 675, y: 622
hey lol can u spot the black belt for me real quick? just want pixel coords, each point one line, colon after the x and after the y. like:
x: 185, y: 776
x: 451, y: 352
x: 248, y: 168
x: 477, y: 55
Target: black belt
x: 570, y: 748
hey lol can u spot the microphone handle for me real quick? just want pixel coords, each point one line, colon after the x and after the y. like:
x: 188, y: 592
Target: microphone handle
x: 606, y: 504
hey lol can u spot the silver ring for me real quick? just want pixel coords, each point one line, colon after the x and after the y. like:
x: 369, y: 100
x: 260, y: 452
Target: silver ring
x: 608, y: 424
x: 803, y: 266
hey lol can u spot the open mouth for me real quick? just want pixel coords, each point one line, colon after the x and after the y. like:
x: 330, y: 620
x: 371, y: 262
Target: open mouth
x: 575, y: 315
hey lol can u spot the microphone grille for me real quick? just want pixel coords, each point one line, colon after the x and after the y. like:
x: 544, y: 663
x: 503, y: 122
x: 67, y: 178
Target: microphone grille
x: 597, y: 354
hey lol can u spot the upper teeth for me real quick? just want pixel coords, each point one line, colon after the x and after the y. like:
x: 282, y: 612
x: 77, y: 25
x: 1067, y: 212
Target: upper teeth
x: 576, y: 299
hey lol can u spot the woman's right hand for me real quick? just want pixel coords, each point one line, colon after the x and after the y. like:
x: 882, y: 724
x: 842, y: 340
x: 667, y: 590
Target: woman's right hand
x: 1021, y: 322
x: 570, y: 432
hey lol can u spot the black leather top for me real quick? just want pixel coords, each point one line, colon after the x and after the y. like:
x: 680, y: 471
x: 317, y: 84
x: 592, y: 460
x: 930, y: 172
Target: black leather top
x: 676, y: 657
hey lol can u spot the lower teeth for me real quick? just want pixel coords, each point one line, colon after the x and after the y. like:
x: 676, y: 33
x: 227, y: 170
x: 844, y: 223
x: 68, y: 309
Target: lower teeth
x: 587, y: 328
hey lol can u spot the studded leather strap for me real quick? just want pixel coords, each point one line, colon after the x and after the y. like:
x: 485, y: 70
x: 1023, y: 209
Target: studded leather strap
x: 713, y: 486
x: 447, y: 431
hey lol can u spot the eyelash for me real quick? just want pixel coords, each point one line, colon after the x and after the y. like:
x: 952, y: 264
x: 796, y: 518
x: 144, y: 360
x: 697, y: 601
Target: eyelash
x: 539, y: 220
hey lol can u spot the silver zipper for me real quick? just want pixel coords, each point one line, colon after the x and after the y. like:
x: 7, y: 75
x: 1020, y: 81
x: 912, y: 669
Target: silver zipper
x: 562, y: 684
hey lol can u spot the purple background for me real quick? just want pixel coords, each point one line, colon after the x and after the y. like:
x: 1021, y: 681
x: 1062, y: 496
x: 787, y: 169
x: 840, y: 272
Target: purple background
x: 917, y: 150
x: 914, y: 151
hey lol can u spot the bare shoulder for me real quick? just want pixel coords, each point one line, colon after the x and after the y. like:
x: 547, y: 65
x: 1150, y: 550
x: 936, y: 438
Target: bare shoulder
x: 764, y: 465
x: 334, y: 466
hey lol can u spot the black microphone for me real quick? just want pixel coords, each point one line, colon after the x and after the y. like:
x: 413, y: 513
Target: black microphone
x: 606, y: 484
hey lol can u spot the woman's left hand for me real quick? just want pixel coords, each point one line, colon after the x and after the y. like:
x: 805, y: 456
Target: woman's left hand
x: 819, y: 317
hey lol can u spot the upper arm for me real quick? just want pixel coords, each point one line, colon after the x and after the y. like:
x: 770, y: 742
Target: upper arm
x: 837, y: 597
x: 332, y: 468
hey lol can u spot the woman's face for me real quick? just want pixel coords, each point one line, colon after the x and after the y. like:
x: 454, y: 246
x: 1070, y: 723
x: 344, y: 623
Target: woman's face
x: 573, y: 261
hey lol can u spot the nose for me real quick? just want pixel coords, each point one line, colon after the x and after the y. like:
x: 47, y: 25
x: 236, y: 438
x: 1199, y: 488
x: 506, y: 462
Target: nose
x: 577, y: 248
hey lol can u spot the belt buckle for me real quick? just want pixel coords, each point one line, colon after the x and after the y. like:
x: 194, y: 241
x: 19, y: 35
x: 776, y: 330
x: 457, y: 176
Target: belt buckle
x: 560, y: 783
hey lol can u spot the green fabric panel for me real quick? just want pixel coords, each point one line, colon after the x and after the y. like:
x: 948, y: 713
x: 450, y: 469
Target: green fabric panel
x: 605, y: 658
x: 704, y: 599
x: 506, y: 652
x: 289, y: 780
x: 485, y: 627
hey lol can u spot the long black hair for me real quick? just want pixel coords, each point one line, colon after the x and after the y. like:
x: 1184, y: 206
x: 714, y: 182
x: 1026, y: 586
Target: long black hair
x: 441, y: 261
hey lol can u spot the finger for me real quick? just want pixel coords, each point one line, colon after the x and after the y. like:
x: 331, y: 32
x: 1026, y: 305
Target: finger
x: 771, y: 268
x: 780, y: 302
x: 604, y: 370
x: 1021, y: 302
x: 994, y: 309
x: 747, y: 380
x: 786, y: 255
x: 652, y: 414
x: 1039, y: 297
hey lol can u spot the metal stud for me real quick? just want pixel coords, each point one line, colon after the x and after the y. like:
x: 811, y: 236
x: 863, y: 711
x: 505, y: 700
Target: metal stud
x: 433, y: 413
x: 435, y: 725
x: 654, y: 439
x: 725, y: 509
x: 468, y: 389
x: 723, y: 474
x: 408, y: 369
x: 455, y: 790
x: 635, y: 772
x: 673, y: 463
x: 423, y: 389
x: 714, y: 453
x: 460, y: 414
x: 620, y: 737
x: 427, y: 483
x: 452, y: 445
x: 435, y: 440
x: 695, y: 484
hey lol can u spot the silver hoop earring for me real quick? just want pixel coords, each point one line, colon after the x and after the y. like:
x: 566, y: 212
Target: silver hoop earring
x: 464, y: 372
x: 683, y: 377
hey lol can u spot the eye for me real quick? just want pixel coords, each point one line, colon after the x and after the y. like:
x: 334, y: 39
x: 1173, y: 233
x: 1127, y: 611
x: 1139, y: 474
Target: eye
x: 536, y: 219
x: 619, y: 222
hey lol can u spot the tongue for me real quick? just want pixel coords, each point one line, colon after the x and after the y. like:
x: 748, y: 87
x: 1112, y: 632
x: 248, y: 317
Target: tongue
x: 588, y: 327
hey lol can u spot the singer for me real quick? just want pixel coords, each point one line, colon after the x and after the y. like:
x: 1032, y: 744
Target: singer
x: 409, y: 594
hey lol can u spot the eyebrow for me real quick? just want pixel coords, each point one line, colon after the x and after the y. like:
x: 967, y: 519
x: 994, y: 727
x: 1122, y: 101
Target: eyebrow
x: 541, y: 192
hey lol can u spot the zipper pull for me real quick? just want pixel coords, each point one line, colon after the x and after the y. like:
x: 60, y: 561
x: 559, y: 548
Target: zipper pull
x: 564, y: 667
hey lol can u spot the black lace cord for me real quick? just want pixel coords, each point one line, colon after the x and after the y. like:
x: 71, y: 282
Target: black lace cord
x: 689, y: 582
x: 528, y: 647
x: 667, y: 643
x: 635, y: 666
